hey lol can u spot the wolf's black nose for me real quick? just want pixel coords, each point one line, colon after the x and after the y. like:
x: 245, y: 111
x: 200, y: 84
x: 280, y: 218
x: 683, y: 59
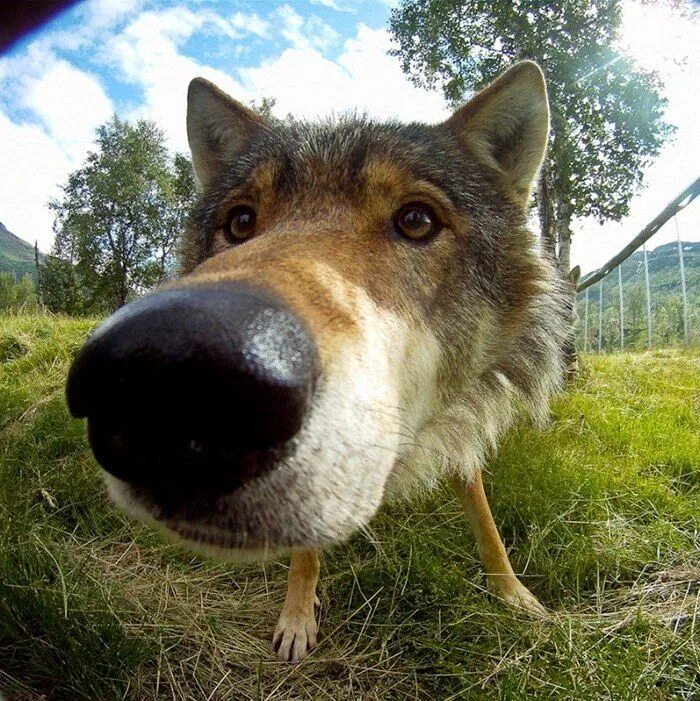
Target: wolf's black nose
x: 200, y: 386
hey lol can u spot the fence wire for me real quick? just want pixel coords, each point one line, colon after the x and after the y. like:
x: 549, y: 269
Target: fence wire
x: 606, y: 336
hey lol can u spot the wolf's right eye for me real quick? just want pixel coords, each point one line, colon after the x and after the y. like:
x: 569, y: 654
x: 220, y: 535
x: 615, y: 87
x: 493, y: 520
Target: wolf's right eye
x: 240, y: 223
x: 416, y: 222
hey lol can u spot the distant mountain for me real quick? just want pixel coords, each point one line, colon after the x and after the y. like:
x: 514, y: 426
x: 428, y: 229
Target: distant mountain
x: 666, y: 304
x: 663, y: 261
x: 664, y: 273
x: 16, y: 255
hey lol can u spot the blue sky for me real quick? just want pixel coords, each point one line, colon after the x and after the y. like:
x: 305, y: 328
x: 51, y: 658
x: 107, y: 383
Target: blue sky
x: 136, y: 57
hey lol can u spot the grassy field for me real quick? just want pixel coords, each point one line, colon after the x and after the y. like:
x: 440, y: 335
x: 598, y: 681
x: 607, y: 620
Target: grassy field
x: 601, y: 513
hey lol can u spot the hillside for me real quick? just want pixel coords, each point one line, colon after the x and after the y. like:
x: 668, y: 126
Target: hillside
x: 16, y: 255
x: 664, y: 274
x: 600, y: 510
x: 665, y: 285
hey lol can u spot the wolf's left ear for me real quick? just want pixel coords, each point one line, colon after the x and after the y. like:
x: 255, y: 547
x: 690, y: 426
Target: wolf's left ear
x: 218, y: 127
x: 506, y: 125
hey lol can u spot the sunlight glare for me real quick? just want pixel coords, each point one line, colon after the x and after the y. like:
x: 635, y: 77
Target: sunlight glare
x: 657, y: 36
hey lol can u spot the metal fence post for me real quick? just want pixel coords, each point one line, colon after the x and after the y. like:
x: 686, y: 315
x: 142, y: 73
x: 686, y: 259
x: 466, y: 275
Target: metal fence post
x: 585, y: 323
x: 646, y: 277
x: 622, y: 309
x: 600, y: 315
x: 683, y: 290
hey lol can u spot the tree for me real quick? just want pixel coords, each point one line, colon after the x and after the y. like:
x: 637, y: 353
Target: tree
x: 264, y: 107
x: 606, y: 113
x: 17, y: 295
x: 118, y: 221
x: 60, y: 288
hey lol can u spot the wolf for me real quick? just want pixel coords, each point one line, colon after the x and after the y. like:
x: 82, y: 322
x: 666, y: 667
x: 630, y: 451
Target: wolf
x: 361, y: 311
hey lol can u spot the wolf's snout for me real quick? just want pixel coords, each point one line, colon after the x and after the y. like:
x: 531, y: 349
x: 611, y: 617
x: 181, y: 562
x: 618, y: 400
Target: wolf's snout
x: 198, y: 386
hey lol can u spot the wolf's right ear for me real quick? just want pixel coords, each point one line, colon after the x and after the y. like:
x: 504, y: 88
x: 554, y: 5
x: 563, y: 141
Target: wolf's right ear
x: 506, y: 126
x: 217, y: 128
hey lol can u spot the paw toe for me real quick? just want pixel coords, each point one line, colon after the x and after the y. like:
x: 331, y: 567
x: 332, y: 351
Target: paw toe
x: 521, y: 597
x: 295, y: 636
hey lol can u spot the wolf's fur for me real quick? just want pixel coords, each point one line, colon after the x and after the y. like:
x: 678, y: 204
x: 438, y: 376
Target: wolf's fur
x: 427, y: 350
x: 570, y: 352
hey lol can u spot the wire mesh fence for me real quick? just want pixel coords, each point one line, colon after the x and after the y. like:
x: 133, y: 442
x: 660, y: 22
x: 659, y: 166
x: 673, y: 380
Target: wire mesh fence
x: 645, y: 298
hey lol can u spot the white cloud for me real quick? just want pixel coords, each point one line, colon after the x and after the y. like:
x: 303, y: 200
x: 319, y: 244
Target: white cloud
x: 304, y: 82
x: 94, y: 18
x: 252, y: 24
x: 320, y: 34
x: 364, y: 78
x: 304, y: 34
x: 33, y: 165
x: 101, y: 14
x: 60, y: 107
x: 68, y: 101
x: 149, y: 41
x: 147, y: 54
x: 337, y: 6
x: 71, y: 103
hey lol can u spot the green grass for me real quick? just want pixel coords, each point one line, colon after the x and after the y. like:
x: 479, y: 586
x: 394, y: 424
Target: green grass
x: 601, y: 513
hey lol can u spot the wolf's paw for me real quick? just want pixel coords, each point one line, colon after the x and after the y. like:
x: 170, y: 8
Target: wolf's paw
x: 519, y: 596
x: 295, y: 635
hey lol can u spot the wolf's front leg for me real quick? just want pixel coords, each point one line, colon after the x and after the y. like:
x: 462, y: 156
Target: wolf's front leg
x: 295, y: 635
x: 491, y: 549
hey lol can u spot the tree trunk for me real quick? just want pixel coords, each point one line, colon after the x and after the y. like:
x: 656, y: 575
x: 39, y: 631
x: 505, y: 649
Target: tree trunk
x: 39, y: 290
x: 563, y: 227
x: 122, y: 252
x: 123, y: 292
x: 545, y: 210
x: 563, y: 231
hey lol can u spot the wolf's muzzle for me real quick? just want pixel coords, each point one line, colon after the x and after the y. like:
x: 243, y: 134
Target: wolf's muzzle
x: 195, y: 388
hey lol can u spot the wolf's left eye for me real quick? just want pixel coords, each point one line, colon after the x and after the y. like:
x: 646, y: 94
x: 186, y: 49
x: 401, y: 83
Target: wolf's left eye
x: 417, y: 222
x: 240, y: 223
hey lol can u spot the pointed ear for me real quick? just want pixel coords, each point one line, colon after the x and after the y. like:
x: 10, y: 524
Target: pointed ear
x: 218, y: 127
x: 506, y: 125
x: 575, y: 275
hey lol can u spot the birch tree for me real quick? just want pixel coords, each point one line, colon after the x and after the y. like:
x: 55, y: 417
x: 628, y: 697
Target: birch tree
x: 118, y: 220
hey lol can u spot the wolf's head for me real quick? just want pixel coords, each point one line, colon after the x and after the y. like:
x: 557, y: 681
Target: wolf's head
x: 357, y: 299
